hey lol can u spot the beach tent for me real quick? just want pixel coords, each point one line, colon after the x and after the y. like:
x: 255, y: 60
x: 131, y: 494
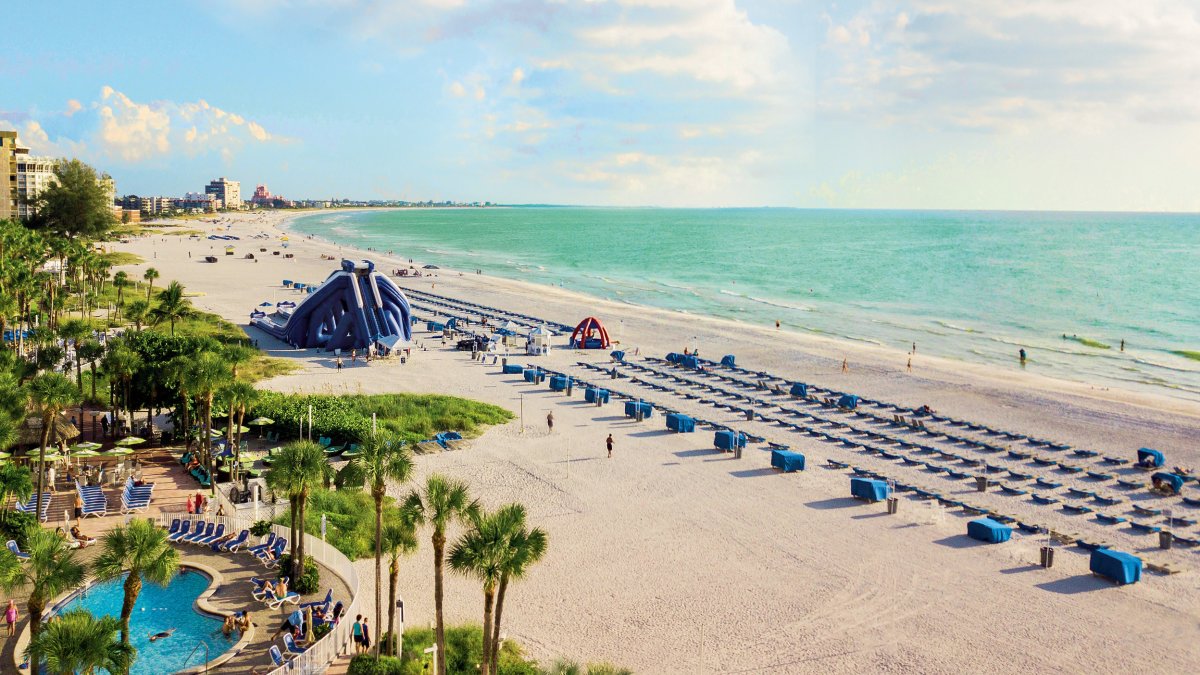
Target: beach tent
x: 538, y: 341
x: 674, y: 357
x: 690, y: 362
x: 989, y: 531
x: 617, y: 355
x: 786, y: 460
x: 1121, y: 567
x: 848, y: 401
x: 1150, y: 457
x: 868, y: 489
x: 513, y: 368
x: 800, y: 389
x: 559, y: 382
x: 728, y: 361
x: 729, y: 440
x: 1176, y: 482
x: 590, y: 334
x: 631, y: 409
x: 680, y: 423
x: 596, y: 395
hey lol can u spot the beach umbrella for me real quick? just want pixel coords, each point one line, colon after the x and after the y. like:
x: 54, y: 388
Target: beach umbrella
x: 87, y: 453
x: 431, y: 267
x: 260, y: 422
x: 118, y: 452
x: 5, y: 455
x: 130, y: 441
x: 265, y: 303
x: 85, y: 446
x: 239, y: 429
x: 308, y: 624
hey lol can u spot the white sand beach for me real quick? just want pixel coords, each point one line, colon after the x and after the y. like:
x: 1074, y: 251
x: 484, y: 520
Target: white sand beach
x: 672, y: 557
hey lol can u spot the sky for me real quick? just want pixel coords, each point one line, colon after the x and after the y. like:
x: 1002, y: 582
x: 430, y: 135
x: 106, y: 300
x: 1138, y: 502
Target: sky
x: 953, y: 104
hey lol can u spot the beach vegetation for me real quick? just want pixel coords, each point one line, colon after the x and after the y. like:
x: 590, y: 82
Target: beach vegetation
x: 140, y: 551
x: 410, y: 417
x: 52, y: 569
x: 1087, y: 342
x: 1187, y: 354
x: 77, y: 642
x: 120, y: 258
x: 74, y: 205
x: 399, y: 539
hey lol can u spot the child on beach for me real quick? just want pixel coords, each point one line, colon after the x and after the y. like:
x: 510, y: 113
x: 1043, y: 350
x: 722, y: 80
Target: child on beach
x: 609, y: 443
x: 10, y: 617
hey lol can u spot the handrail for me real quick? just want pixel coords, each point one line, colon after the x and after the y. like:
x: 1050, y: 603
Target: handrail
x: 199, y: 644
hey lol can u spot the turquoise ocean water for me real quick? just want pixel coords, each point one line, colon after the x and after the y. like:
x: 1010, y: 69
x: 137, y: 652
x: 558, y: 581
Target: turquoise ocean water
x: 975, y: 286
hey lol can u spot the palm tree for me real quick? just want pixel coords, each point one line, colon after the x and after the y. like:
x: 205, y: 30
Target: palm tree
x: 178, y: 372
x: 172, y: 305
x: 90, y: 351
x: 15, y: 481
x: 78, y: 642
x: 120, y: 281
x: 480, y: 552
x: 236, y: 355
x: 298, y: 469
x: 525, y: 547
x: 76, y: 330
x: 122, y: 363
x: 51, y: 393
x: 150, y: 275
x: 50, y: 571
x: 137, y: 311
x: 382, y: 457
x: 445, y: 501
x: 208, y: 374
x: 141, y: 549
x: 399, y: 538
x: 238, y: 396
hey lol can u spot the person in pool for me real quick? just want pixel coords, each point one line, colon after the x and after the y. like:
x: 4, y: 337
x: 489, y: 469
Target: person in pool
x: 163, y: 635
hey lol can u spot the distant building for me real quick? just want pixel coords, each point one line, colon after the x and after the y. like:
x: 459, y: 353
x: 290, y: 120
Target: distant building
x: 228, y: 191
x: 34, y: 174
x: 147, y: 206
x: 196, y: 201
x: 264, y: 198
x: 8, y: 175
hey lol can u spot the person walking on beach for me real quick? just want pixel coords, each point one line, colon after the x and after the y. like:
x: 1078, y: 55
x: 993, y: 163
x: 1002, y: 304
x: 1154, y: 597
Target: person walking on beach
x: 1122, y: 344
x: 914, y: 348
x: 845, y: 366
x: 776, y: 324
x: 910, y: 364
x: 550, y: 421
x: 353, y: 356
x: 339, y: 364
x: 608, y: 442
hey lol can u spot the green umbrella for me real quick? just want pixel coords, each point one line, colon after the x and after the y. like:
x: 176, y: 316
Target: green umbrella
x: 259, y: 421
x: 130, y: 440
x: 118, y: 452
x: 5, y: 455
x: 52, y: 455
x: 87, y: 453
x: 238, y: 429
x: 86, y: 445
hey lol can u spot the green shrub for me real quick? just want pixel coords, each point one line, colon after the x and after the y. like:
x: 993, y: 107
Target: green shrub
x: 310, y: 578
x: 350, y: 477
x: 15, y: 525
x: 365, y: 664
x: 260, y: 528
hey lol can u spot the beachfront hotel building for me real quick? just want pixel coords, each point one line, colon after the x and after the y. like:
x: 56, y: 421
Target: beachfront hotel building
x: 228, y: 191
x: 24, y: 176
x: 197, y: 201
x: 8, y: 174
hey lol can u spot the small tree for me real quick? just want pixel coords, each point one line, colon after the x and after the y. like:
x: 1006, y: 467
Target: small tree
x: 142, y: 550
x: 172, y: 305
x: 52, y: 393
x: 298, y: 469
x: 50, y: 571
x: 75, y: 204
x: 78, y: 642
x: 149, y: 276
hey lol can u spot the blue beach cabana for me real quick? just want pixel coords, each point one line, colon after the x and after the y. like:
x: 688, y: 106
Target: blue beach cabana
x: 513, y: 369
x: 869, y: 489
x: 680, y: 423
x: 729, y: 440
x: 988, y: 531
x: 786, y: 460
x: 848, y: 401
x: 1151, y: 458
x: 596, y: 395
x: 559, y: 382
x: 631, y: 409
x: 728, y: 361
x: 1173, y: 480
x: 1123, y: 568
x: 799, y: 389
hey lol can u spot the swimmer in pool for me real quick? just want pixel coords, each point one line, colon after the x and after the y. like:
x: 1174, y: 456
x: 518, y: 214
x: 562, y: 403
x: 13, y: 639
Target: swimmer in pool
x: 163, y: 635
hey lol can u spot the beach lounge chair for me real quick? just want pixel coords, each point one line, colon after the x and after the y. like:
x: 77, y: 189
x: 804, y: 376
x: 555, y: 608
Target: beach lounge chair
x: 1192, y: 501
x: 276, y: 657
x: 1096, y: 475
x: 263, y: 544
x: 1029, y: 527
x: 1076, y: 492
x: 1012, y: 491
x: 317, y: 603
x: 290, y: 644
x: 1110, y: 520
x: 1186, y: 542
x: 1042, y: 461
x: 1085, y: 453
x: 1049, y: 484
x: 1042, y: 499
x: 184, y: 529
x: 1130, y: 484
x: 233, y: 544
x: 1144, y: 511
x: 1107, y: 501
x: 1076, y: 509
x: 12, y: 546
x: 1142, y: 528
x: 1015, y: 475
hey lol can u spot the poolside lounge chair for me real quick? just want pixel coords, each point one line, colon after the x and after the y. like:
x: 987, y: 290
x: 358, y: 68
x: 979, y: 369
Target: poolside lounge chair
x: 211, y: 537
x: 263, y: 544
x: 290, y: 645
x: 234, y: 544
x: 203, y: 529
x: 274, y: 601
x: 185, y: 528
x: 12, y: 546
x: 174, y: 527
x: 276, y: 657
x: 317, y: 603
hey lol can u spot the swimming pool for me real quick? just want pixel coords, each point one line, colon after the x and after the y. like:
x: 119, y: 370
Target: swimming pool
x: 158, y: 609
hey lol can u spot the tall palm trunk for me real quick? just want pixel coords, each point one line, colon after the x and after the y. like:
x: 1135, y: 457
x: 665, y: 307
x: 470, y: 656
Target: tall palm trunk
x: 298, y: 559
x: 133, y: 586
x: 494, y: 657
x: 489, y: 597
x: 207, y: 444
x: 393, y: 578
x: 47, y: 420
x: 295, y: 509
x: 377, y: 492
x: 439, y: 554
x: 36, y: 607
x: 93, y: 367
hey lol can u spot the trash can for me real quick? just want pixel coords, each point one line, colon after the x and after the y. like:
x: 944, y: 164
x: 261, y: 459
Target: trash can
x: 749, y: 415
x: 737, y: 450
x: 1165, y: 539
x: 569, y: 386
x: 893, y: 505
x: 613, y: 375
x: 504, y: 362
x: 1047, y: 556
x: 639, y: 412
x: 981, y: 483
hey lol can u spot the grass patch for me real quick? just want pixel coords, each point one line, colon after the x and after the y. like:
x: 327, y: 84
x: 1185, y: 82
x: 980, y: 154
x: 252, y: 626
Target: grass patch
x: 204, y: 324
x: 412, y: 417
x: 1087, y: 342
x: 263, y: 367
x: 118, y: 258
x: 1187, y: 354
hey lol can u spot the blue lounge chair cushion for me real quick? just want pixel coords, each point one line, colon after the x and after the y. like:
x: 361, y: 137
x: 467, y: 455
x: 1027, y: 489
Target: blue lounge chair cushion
x: 1121, y: 567
x: 989, y: 531
x: 787, y: 460
x: 868, y: 489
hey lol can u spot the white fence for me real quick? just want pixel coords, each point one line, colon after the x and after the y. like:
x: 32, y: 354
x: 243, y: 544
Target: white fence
x: 317, y: 657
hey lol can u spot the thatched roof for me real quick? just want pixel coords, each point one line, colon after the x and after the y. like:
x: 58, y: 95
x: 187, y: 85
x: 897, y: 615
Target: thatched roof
x: 31, y: 430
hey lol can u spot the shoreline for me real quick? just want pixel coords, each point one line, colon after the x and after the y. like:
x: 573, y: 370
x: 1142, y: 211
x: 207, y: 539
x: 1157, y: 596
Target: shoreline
x: 882, y: 358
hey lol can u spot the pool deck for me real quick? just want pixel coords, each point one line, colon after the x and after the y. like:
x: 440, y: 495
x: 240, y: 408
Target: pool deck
x: 172, y: 486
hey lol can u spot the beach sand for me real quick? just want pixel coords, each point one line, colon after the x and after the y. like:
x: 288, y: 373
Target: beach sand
x: 674, y: 558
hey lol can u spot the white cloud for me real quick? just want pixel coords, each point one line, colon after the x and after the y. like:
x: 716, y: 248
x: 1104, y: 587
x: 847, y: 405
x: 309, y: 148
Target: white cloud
x: 457, y: 89
x: 73, y: 107
x: 129, y: 130
x: 518, y: 76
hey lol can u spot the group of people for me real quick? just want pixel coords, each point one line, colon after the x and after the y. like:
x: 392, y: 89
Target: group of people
x: 236, y: 622
x: 77, y: 539
x: 197, y: 504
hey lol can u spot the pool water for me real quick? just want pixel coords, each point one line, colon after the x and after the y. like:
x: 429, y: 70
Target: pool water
x: 160, y: 608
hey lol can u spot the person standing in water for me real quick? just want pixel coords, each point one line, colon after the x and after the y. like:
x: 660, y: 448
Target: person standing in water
x: 1022, y: 353
x: 1122, y: 344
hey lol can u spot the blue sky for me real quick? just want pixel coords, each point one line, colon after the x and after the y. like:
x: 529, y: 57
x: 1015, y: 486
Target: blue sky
x: 989, y: 104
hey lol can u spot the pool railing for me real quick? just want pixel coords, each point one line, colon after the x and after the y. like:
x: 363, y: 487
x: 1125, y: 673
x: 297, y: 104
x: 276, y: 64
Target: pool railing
x: 336, y: 642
